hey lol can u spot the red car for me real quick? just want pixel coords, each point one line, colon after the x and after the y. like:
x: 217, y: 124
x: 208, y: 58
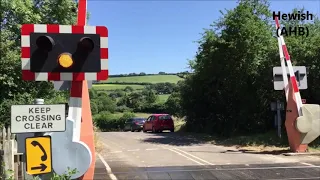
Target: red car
x: 158, y: 123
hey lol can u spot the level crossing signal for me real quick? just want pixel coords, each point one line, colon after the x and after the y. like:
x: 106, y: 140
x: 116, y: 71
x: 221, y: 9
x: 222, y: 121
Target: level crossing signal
x: 61, y: 52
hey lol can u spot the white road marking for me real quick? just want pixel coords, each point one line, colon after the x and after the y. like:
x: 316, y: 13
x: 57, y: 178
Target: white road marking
x: 106, y: 145
x: 151, y: 149
x: 193, y: 156
x: 215, y: 147
x: 109, y: 171
x: 109, y: 147
x: 225, y: 169
x: 133, y: 150
x: 118, y: 160
x: 308, y: 164
x: 115, y: 152
x: 185, y: 156
x: 116, y: 144
x: 296, y: 178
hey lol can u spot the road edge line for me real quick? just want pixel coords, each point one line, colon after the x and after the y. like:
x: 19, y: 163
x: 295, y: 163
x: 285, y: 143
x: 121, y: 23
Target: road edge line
x: 308, y: 164
x: 108, y: 168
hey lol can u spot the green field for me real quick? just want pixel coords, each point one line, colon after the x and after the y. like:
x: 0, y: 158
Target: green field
x: 110, y: 87
x: 163, y: 98
x: 136, y: 79
x: 146, y: 79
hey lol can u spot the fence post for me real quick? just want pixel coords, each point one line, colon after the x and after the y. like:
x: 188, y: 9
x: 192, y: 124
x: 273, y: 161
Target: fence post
x: 16, y: 155
x: 3, y: 176
x: 8, y: 155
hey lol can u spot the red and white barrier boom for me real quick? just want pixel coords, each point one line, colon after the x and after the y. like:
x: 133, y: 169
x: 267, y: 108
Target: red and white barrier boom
x: 302, y: 120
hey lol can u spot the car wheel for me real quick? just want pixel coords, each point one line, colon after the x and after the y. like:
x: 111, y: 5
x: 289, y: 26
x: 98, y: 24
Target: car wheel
x: 132, y: 130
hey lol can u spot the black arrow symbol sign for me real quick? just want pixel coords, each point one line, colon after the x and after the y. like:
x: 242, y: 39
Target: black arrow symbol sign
x: 42, y: 167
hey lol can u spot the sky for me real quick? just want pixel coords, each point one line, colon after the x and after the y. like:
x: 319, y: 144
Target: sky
x: 153, y: 36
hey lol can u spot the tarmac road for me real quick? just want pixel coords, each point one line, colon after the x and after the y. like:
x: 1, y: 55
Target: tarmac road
x: 162, y: 156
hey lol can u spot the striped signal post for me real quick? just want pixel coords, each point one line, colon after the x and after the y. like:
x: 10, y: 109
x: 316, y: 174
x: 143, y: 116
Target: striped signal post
x: 294, y: 102
x: 79, y: 90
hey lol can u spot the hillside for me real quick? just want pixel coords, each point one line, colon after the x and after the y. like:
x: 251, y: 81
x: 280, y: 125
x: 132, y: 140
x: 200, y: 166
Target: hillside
x: 112, y: 87
x: 120, y: 83
x: 134, y: 79
x: 146, y: 79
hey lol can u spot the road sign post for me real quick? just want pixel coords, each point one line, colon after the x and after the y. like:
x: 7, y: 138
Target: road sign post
x: 278, y: 107
x: 32, y: 121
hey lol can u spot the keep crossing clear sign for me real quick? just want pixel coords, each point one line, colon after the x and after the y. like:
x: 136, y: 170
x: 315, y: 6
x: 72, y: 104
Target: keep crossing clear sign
x: 38, y: 118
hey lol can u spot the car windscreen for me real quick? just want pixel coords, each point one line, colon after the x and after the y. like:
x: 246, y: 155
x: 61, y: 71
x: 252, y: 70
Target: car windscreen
x: 165, y: 117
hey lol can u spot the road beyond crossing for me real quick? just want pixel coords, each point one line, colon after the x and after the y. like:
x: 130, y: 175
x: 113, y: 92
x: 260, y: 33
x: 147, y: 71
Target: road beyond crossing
x: 137, y: 155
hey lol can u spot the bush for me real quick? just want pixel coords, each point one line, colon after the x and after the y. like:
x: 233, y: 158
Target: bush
x: 124, y: 117
x: 106, y: 121
x: 153, y: 108
x: 122, y: 109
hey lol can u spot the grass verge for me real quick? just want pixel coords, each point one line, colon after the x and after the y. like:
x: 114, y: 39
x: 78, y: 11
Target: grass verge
x: 97, y: 143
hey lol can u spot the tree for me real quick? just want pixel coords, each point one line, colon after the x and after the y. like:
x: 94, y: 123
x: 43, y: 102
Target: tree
x: 135, y: 101
x: 117, y: 93
x: 172, y: 105
x: 105, y: 103
x: 149, y: 96
x: 230, y: 90
x: 94, y: 108
x: 93, y: 93
x: 123, y: 101
x: 227, y: 92
x: 128, y: 89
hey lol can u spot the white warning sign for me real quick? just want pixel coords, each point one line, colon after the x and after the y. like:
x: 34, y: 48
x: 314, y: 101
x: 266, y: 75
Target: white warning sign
x: 38, y: 118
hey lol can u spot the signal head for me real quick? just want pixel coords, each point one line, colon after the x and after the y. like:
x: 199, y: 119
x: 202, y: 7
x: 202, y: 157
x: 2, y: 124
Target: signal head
x: 86, y: 44
x: 45, y: 43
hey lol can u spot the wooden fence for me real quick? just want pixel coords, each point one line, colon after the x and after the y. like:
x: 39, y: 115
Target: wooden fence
x: 11, y: 164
